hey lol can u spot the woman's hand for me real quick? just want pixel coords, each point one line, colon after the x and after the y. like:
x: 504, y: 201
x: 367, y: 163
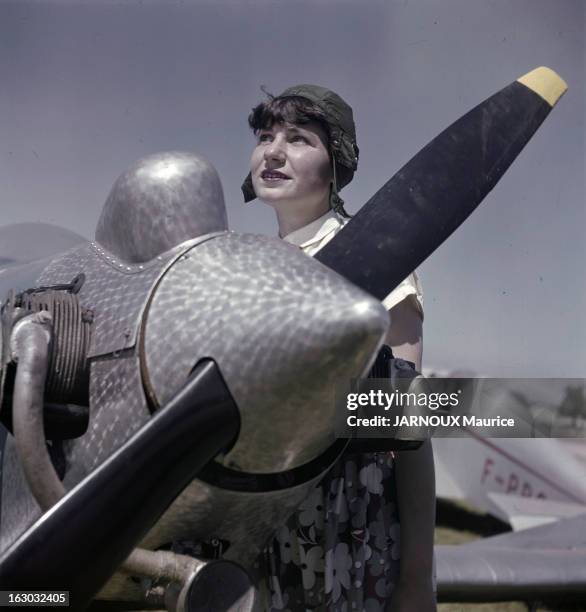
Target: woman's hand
x: 413, y: 596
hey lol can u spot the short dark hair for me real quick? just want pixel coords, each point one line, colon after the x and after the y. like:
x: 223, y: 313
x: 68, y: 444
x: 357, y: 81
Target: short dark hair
x: 287, y: 109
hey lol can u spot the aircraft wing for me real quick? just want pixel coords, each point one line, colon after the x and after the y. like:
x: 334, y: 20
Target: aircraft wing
x: 26, y: 249
x: 567, y: 534
x: 21, y: 243
x: 544, y: 563
x: 526, y: 512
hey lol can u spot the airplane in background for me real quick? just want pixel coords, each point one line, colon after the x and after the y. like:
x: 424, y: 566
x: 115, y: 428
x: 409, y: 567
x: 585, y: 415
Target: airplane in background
x: 26, y: 248
x: 22, y: 243
x: 522, y: 481
x: 537, y: 486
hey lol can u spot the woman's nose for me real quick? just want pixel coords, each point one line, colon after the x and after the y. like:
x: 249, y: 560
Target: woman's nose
x: 275, y: 150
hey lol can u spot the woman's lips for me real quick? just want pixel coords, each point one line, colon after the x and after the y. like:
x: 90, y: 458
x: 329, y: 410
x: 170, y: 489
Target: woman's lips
x: 273, y: 175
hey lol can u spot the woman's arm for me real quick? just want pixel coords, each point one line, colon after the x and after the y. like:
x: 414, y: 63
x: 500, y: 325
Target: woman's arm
x: 415, y: 484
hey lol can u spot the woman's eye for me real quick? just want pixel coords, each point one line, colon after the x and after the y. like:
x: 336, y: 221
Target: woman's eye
x: 298, y: 138
x: 264, y: 137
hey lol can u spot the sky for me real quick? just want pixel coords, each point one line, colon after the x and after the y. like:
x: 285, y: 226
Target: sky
x: 89, y: 87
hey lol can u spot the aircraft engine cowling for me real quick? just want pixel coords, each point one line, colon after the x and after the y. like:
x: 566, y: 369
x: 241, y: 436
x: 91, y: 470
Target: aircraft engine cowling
x: 284, y: 332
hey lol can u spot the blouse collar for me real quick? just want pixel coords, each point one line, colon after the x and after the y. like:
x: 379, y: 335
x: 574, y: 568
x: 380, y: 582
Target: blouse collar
x: 315, y: 231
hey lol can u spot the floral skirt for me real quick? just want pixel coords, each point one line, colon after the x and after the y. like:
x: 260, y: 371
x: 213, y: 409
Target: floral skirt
x: 340, y: 550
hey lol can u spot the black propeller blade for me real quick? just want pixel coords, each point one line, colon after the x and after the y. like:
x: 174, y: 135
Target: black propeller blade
x: 416, y: 210
x: 79, y: 543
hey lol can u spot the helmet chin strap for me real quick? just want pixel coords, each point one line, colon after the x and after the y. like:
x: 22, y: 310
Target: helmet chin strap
x: 336, y: 202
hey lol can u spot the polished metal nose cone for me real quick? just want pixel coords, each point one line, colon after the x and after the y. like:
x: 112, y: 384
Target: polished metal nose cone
x: 285, y: 332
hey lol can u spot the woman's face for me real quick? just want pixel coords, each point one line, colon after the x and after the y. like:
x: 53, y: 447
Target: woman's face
x: 291, y: 165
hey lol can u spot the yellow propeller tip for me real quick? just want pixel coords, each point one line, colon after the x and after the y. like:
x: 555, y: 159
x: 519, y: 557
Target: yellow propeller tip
x: 545, y: 83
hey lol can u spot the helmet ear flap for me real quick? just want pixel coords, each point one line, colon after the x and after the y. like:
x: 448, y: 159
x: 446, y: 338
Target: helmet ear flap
x: 248, y: 189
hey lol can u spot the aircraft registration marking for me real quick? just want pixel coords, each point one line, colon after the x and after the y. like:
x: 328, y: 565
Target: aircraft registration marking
x: 512, y: 483
x: 524, y: 468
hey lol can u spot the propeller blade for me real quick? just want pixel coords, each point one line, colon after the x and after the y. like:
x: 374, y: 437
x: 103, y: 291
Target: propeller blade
x: 416, y: 210
x: 81, y: 541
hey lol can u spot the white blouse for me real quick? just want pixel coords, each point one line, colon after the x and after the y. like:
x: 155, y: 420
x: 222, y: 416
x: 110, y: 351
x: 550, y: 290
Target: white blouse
x: 313, y: 236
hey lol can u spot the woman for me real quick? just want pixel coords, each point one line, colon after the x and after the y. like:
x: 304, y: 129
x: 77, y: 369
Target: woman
x: 341, y: 549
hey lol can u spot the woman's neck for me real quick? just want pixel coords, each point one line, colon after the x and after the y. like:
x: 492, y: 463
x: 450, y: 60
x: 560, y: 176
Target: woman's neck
x: 290, y: 220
